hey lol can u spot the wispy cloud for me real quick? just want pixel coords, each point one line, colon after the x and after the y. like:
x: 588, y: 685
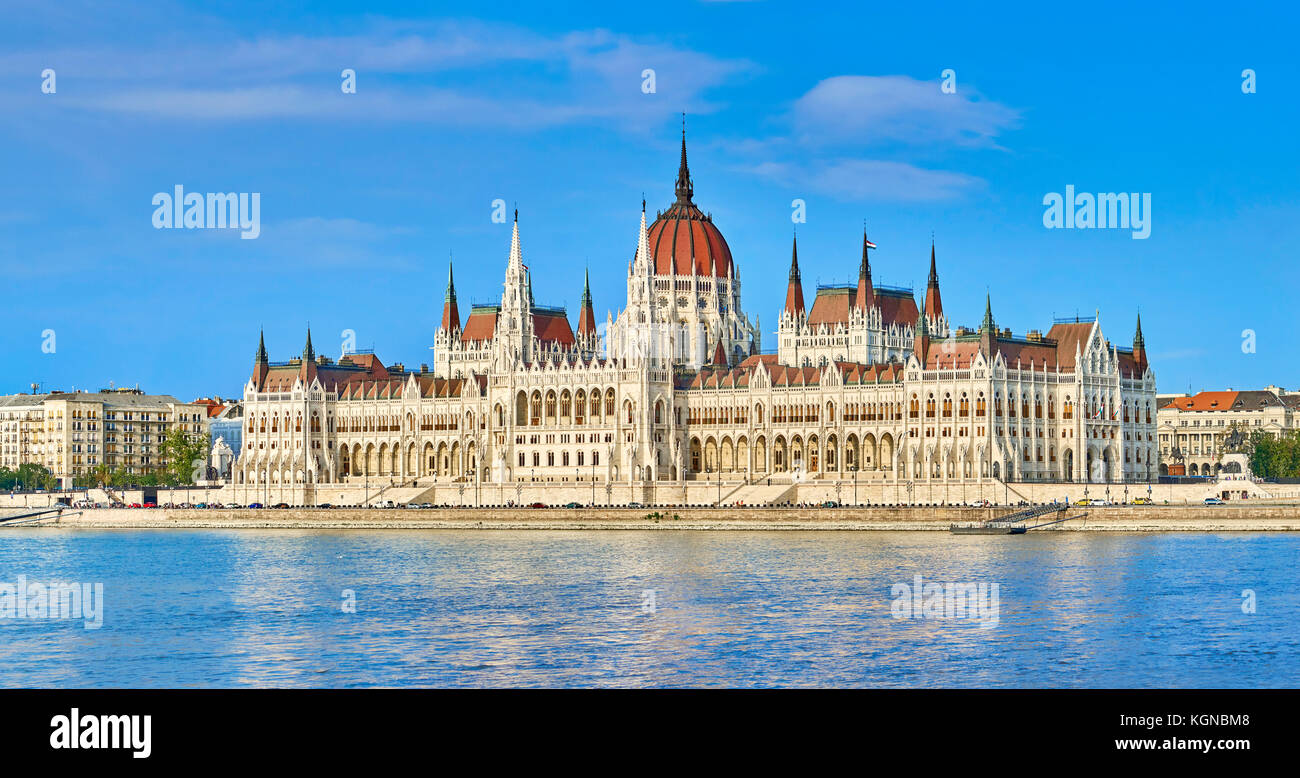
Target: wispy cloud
x: 833, y: 131
x: 505, y: 77
x: 870, y: 179
x: 870, y: 110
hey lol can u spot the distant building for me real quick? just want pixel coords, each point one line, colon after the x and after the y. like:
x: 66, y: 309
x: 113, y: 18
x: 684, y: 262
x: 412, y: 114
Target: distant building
x: 225, y: 426
x: 1193, y: 429
x: 72, y: 433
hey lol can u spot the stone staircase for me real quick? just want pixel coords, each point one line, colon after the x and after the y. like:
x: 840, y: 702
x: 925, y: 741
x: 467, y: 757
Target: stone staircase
x: 760, y: 493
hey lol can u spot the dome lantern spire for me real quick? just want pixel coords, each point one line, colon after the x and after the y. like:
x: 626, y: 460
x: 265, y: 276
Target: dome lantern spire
x: 685, y: 189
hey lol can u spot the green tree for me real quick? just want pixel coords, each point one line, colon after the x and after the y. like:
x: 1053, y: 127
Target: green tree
x: 1274, y: 457
x: 186, y: 457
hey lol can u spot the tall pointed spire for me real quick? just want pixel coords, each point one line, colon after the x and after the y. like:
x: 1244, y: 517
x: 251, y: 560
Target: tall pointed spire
x: 307, y: 370
x: 1140, y: 348
x: 794, y: 289
x: 987, y: 324
x: 865, y: 299
x: 261, y: 365
x: 450, y: 312
x: 933, y: 303
x: 643, y: 246
x: 586, y: 314
x: 516, y: 252
x: 685, y: 189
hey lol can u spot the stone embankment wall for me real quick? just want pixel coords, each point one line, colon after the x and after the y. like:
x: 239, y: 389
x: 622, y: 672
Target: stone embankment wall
x: 1127, y: 519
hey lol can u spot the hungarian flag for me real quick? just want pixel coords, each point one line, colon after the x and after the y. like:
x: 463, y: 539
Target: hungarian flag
x: 867, y: 243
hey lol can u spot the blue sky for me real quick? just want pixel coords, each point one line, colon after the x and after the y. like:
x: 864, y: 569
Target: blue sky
x: 364, y: 196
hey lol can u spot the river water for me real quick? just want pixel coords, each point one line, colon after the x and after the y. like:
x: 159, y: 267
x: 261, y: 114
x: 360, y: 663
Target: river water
x: 288, y: 608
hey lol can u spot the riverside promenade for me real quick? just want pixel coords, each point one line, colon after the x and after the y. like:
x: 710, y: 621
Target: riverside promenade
x: 1139, y: 518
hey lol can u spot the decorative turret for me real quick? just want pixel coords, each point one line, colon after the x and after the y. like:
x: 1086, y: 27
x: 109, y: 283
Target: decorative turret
x: 865, y: 299
x: 988, y: 330
x: 794, y: 289
x: 921, y: 339
x: 513, y: 333
x: 450, y: 313
x: 933, y: 303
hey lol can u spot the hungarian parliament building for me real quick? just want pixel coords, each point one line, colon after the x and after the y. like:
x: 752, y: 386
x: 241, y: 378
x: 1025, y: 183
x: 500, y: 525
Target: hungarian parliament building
x: 865, y: 385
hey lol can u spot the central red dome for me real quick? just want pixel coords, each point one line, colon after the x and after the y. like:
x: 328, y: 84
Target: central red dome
x: 683, y: 239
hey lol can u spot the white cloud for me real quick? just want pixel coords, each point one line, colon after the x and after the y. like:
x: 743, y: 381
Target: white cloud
x: 505, y: 77
x: 870, y: 179
x: 867, y: 110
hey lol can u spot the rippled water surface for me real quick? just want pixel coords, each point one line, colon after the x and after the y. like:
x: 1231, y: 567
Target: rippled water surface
x: 444, y: 608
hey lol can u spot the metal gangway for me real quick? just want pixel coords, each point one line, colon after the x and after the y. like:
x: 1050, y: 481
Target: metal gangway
x: 1011, y: 523
x: 1029, y: 513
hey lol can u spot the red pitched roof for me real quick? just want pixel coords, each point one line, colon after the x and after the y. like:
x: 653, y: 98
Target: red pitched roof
x: 1068, y: 335
x: 896, y: 307
x: 831, y: 306
x: 1204, y: 401
x: 552, y: 327
x: 481, y: 325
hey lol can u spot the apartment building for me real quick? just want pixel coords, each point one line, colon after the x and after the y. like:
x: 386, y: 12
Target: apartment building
x: 72, y: 433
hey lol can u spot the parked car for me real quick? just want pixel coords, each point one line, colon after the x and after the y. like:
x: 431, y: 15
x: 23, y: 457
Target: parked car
x: 635, y: 505
x: 151, y: 505
x: 256, y: 505
x: 830, y: 504
x: 281, y: 505
x: 573, y: 505
x: 1142, y: 501
x: 387, y: 504
x: 324, y: 505
x: 538, y: 505
x: 1097, y: 502
x: 1213, y: 501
